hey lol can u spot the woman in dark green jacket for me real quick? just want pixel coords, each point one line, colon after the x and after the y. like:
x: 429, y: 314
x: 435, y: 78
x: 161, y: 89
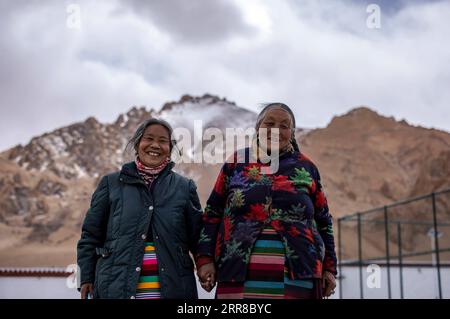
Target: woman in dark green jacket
x: 141, y: 226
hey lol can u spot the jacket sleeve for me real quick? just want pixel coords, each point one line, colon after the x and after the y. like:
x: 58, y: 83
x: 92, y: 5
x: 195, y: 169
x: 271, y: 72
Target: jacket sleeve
x: 93, y: 232
x: 193, y: 217
x: 212, y: 216
x: 324, y: 222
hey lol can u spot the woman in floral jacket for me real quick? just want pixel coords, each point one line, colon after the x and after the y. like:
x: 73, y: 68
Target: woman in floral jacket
x: 268, y: 235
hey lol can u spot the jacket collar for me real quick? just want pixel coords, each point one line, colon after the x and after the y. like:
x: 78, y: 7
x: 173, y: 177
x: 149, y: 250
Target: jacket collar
x: 129, y: 173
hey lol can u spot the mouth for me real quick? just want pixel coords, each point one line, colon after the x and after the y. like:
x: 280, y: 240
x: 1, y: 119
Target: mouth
x: 153, y: 154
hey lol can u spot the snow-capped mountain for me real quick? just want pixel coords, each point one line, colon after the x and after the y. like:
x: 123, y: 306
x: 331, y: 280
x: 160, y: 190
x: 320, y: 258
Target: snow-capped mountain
x: 365, y: 160
x: 91, y: 148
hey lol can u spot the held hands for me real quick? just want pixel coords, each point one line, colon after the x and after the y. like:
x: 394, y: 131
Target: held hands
x: 207, y: 276
x: 329, y: 283
x: 87, y: 291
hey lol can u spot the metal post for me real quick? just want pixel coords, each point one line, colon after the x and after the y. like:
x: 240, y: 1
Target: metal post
x: 361, y: 287
x: 388, y: 264
x: 400, y: 258
x: 340, y: 257
x: 436, y: 244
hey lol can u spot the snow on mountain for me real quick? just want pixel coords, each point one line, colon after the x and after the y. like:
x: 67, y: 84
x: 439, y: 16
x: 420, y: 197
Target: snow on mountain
x: 91, y: 148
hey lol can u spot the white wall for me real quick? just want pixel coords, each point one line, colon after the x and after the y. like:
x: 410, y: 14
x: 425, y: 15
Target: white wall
x: 35, y: 288
x: 51, y: 288
x: 419, y: 282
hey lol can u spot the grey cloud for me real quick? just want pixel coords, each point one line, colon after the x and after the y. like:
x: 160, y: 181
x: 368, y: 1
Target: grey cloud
x: 193, y: 21
x: 48, y: 79
x: 51, y: 76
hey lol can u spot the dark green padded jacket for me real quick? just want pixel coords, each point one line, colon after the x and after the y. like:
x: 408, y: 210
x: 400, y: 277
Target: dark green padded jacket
x: 111, y: 248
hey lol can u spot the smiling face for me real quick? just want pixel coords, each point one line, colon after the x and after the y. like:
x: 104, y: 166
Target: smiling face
x: 154, y: 146
x: 276, y: 118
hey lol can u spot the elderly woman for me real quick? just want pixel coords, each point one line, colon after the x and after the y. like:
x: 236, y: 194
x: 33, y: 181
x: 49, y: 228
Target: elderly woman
x: 142, y: 223
x: 268, y: 235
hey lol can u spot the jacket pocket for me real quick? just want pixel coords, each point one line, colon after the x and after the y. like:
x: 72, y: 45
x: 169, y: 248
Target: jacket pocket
x: 186, y: 273
x: 103, y: 252
x: 185, y: 263
x: 101, y: 271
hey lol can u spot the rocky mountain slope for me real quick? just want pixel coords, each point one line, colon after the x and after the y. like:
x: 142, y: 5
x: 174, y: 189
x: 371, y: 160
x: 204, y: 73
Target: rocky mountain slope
x: 365, y: 160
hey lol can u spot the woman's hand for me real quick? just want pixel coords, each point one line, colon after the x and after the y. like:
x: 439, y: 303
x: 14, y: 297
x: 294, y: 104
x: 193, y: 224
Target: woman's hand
x: 207, y: 276
x: 329, y: 283
x: 86, y: 290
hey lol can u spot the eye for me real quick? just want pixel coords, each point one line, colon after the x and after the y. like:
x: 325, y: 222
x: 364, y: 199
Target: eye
x: 164, y: 142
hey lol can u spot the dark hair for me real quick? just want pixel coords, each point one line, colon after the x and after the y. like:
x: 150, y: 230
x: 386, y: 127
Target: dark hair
x: 133, y: 143
x: 269, y: 106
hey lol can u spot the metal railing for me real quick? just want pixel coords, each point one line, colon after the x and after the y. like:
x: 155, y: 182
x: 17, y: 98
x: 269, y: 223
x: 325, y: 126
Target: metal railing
x: 420, y: 212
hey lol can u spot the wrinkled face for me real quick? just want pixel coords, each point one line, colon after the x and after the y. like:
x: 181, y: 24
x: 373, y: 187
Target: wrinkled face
x: 280, y: 119
x: 154, y: 146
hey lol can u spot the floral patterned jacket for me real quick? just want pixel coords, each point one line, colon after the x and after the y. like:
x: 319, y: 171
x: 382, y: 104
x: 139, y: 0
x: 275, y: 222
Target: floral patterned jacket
x: 245, y: 199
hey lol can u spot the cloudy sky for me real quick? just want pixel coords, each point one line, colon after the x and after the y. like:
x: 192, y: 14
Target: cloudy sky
x: 320, y: 57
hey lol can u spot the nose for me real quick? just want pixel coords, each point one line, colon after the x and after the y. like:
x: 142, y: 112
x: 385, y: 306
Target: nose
x: 276, y: 132
x: 154, y: 145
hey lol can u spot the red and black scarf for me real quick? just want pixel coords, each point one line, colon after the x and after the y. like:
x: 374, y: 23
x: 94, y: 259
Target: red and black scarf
x: 149, y: 174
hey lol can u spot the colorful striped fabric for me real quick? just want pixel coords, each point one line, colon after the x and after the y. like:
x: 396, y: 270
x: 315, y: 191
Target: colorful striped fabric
x: 267, y: 275
x: 148, y: 286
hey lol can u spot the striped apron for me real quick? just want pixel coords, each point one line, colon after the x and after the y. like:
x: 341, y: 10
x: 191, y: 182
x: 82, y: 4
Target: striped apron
x: 148, y: 285
x: 267, y: 275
